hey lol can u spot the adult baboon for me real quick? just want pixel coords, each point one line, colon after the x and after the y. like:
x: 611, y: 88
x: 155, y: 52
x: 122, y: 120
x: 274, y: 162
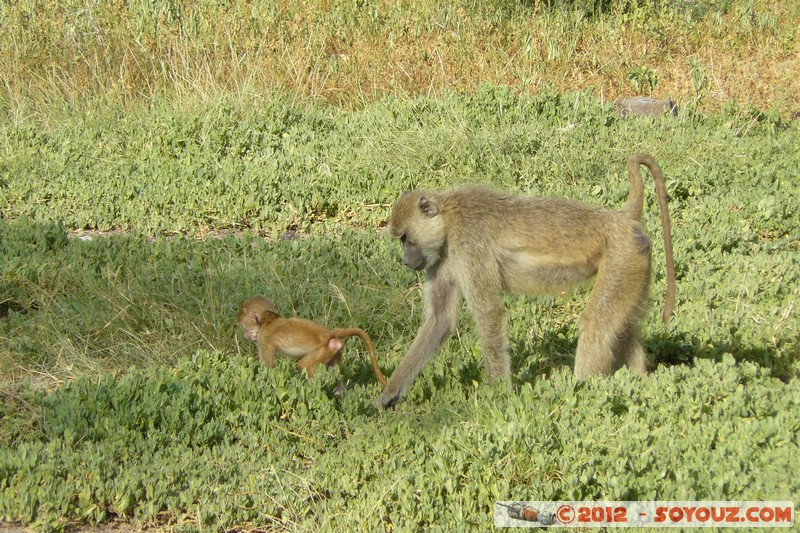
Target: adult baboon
x: 478, y: 242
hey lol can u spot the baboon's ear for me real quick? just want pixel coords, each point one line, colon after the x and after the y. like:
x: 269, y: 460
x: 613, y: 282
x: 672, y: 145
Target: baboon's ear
x: 427, y: 207
x: 252, y: 315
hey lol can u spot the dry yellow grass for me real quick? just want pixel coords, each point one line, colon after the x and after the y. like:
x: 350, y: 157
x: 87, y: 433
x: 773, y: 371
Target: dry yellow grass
x: 351, y: 53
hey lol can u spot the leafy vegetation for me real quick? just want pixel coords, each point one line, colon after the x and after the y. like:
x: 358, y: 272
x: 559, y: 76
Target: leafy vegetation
x: 161, y: 161
x: 274, y: 165
x: 133, y: 335
x: 77, y: 307
x: 353, y: 52
x: 731, y: 179
x: 220, y: 442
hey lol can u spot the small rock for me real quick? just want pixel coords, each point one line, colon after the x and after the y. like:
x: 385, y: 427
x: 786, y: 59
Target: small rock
x: 645, y: 107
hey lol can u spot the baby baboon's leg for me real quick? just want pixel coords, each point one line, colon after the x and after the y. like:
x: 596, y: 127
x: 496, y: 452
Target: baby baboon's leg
x: 335, y: 360
x: 321, y: 355
x: 609, y: 327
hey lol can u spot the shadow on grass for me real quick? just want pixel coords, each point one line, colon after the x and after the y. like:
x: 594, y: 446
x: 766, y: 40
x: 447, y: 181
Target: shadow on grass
x: 681, y: 349
x: 532, y: 361
x: 10, y: 305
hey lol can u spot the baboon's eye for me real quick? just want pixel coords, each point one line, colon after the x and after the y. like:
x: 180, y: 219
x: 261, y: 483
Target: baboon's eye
x: 403, y: 237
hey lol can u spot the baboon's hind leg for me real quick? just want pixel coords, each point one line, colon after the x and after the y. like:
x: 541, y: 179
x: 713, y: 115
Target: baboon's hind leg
x: 608, y: 333
x: 310, y: 361
x: 631, y: 350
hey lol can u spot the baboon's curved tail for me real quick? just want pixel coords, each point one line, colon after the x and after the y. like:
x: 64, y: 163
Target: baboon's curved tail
x: 358, y: 332
x: 634, y: 207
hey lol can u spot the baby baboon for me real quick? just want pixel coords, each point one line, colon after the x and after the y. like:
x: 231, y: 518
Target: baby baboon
x: 478, y: 242
x: 301, y: 339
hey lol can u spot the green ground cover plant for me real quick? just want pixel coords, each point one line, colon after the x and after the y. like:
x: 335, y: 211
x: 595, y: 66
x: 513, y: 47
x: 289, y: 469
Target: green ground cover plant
x: 160, y: 161
x: 276, y: 165
x: 125, y: 345
x: 220, y: 443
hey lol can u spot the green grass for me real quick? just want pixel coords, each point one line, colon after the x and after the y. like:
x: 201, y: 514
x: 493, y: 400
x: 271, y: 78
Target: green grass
x: 220, y: 442
x: 125, y: 345
x: 350, y: 53
x: 162, y: 161
x: 289, y: 170
x: 274, y: 165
